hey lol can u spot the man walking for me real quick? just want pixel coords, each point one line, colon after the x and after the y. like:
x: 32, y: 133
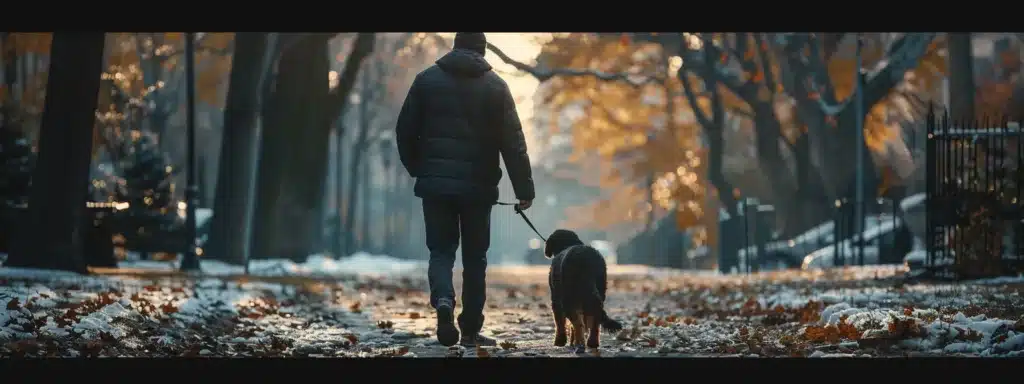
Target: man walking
x: 457, y: 118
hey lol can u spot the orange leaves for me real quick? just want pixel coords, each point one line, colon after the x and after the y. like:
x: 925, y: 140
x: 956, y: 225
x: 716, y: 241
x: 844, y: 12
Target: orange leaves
x: 847, y: 331
x: 993, y: 99
x: 22, y: 43
x: 218, y: 40
x: 904, y: 328
x: 259, y: 308
x: 625, y: 40
x: 507, y: 345
x: 757, y: 77
x: 482, y: 352
x: 810, y: 312
x: 749, y: 54
x: 832, y: 333
x: 210, y: 79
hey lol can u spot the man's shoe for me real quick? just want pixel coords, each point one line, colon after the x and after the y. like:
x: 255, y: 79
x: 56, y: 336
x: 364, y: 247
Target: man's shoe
x: 447, y: 332
x: 477, y: 340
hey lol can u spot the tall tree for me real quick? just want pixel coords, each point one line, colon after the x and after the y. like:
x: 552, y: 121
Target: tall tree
x: 61, y: 176
x: 961, y: 77
x: 294, y: 146
x: 233, y: 194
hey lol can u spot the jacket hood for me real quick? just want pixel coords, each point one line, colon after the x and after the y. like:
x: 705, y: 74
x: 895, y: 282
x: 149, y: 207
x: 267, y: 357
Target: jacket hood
x: 462, y: 62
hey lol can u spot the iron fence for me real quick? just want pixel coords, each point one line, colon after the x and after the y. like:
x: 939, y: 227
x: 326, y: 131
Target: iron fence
x: 883, y: 239
x: 973, y: 180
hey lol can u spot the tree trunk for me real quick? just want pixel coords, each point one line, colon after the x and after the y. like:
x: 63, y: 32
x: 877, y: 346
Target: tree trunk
x: 292, y: 170
x: 51, y: 234
x: 961, y: 77
x: 393, y: 209
x: 366, y: 202
x: 10, y: 64
x: 339, y: 182
x: 235, y: 174
x: 353, y: 189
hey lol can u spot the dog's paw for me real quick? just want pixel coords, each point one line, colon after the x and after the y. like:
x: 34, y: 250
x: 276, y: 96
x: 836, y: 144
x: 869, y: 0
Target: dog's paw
x: 561, y: 341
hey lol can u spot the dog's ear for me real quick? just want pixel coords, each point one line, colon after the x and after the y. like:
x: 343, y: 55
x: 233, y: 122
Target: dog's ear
x: 548, y: 249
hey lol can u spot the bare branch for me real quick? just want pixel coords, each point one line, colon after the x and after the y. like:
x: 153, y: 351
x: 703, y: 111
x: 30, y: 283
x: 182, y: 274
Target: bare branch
x: 766, y: 62
x: 903, y: 56
x: 338, y: 100
x: 830, y: 44
x: 820, y: 72
x: 543, y: 75
x: 691, y: 97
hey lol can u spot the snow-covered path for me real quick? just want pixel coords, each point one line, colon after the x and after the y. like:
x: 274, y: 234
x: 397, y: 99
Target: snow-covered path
x: 384, y: 312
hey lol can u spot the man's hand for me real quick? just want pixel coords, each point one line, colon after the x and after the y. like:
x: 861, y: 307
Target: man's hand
x: 524, y: 204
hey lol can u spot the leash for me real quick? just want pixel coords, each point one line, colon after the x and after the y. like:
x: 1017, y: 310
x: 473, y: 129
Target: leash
x: 523, y: 215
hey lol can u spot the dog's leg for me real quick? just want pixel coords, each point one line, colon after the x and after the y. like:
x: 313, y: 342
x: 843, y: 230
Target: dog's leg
x: 573, y: 329
x: 594, y: 327
x: 578, y: 328
x: 560, y: 334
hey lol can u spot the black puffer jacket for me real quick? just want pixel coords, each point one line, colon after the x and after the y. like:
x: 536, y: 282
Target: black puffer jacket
x: 459, y: 115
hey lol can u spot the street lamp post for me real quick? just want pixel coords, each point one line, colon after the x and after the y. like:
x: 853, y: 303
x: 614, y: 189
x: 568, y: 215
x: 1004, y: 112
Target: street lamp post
x: 190, y: 261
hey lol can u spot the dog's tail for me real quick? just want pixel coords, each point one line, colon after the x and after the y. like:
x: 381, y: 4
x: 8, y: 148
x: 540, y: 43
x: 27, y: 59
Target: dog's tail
x: 595, y: 308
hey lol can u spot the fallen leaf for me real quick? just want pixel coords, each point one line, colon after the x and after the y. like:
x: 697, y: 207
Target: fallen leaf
x: 482, y: 352
x: 651, y: 342
x: 13, y: 304
x: 414, y: 315
x: 351, y: 338
x: 507, y: 344
x: 355, y: 307
x: 168, y: 308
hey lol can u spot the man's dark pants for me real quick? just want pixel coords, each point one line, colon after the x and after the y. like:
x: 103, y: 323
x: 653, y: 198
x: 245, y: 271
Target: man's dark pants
x: 445, y: 219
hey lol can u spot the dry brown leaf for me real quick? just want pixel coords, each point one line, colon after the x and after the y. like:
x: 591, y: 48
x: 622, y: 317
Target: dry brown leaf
x: 904, y: 329
x: 847, y: 331
x: 507, y: 344
x: 351, y: 338
x: 355, y: 307
x: 168, y: 308
x: 651, y: 342
x: 482, y: 352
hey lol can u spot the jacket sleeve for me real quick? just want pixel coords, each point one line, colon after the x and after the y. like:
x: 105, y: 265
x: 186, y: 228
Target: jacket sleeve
x: 407, y: 131
x: 513, y: 148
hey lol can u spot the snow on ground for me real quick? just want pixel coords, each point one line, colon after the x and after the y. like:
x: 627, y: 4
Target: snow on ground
x: 360, y: 263
x: 377, y: 306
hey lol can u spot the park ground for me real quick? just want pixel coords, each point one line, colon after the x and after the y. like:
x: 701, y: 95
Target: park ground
x: 373, y: 306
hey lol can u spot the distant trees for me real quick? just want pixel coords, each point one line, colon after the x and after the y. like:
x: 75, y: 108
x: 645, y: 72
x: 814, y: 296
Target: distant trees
x: 784, y: 94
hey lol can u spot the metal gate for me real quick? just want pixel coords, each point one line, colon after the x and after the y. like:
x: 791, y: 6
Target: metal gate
x: 973, y: 219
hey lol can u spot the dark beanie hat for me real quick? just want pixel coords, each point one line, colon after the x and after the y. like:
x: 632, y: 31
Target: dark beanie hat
x: 473, y: 41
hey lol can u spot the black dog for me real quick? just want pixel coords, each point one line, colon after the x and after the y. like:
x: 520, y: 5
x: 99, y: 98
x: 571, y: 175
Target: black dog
x: 578, y: 280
